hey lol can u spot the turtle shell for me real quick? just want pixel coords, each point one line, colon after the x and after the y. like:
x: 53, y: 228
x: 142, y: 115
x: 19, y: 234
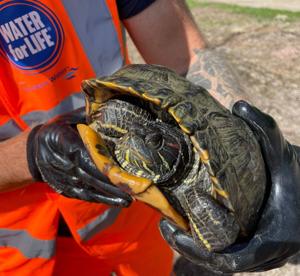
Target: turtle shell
x: 224, y: 143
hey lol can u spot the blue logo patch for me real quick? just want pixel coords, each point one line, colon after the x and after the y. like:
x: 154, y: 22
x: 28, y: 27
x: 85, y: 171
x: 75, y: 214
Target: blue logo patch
x: 31, y: 36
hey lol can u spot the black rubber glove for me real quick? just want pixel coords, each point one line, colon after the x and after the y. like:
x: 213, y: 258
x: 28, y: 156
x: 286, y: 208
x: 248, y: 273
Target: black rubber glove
x: 277, y: 235
x: 56, y: 155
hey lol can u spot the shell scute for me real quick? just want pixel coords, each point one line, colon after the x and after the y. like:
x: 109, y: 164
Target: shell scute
x: 184, y: 113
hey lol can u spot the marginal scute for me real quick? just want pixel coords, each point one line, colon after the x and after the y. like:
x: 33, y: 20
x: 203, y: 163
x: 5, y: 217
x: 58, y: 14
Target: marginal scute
x: 151, y: 99
x: 185, y: 112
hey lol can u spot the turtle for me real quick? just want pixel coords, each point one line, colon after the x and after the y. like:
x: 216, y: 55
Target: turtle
x: 169, y: 143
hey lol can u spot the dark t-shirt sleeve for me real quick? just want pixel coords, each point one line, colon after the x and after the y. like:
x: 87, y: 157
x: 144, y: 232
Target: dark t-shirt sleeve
x: 128, y: 8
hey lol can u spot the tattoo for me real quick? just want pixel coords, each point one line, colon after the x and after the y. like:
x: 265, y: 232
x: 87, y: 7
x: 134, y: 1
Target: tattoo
x: 212, y: 72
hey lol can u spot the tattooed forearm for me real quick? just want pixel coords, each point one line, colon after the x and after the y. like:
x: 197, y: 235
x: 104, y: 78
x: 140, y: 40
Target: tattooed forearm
x: 209, y: 70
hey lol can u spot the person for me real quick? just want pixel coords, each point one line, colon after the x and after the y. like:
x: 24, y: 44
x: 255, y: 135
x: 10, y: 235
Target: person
x: 53, y: 201
x: 49, y: 187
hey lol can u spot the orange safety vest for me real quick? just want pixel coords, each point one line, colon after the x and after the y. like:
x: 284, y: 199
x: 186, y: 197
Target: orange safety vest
x: 46, y: 49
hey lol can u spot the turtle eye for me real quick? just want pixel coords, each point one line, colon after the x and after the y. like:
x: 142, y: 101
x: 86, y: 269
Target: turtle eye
x: 154, y: 140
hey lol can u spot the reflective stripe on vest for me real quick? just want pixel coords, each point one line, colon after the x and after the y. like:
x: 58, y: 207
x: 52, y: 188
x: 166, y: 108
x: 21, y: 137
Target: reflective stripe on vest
x: 101, y: 42
x: 29, y: 246
x: 98, y: 224
x: 34, y: 118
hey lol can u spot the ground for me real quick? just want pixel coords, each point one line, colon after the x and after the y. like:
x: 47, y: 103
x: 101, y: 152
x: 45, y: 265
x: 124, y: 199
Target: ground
x: 264, y: 49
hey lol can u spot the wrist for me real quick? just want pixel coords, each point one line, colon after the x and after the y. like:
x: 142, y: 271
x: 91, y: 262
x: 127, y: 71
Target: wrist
x: 14, y: 171
x: 31, y: 154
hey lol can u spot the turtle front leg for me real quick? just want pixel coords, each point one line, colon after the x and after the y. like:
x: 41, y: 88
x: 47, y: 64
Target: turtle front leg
x: 212, y: 225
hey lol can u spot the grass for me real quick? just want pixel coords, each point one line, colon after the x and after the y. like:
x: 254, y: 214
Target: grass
x: 192, y: 3
x: 259, y: 13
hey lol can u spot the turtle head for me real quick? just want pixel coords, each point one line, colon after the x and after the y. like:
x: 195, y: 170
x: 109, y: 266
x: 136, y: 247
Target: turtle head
x: 155, y: 151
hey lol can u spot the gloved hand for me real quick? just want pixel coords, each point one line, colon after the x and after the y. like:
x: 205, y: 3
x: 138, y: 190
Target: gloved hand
x: 56, y: 155
x: 277, y: 236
